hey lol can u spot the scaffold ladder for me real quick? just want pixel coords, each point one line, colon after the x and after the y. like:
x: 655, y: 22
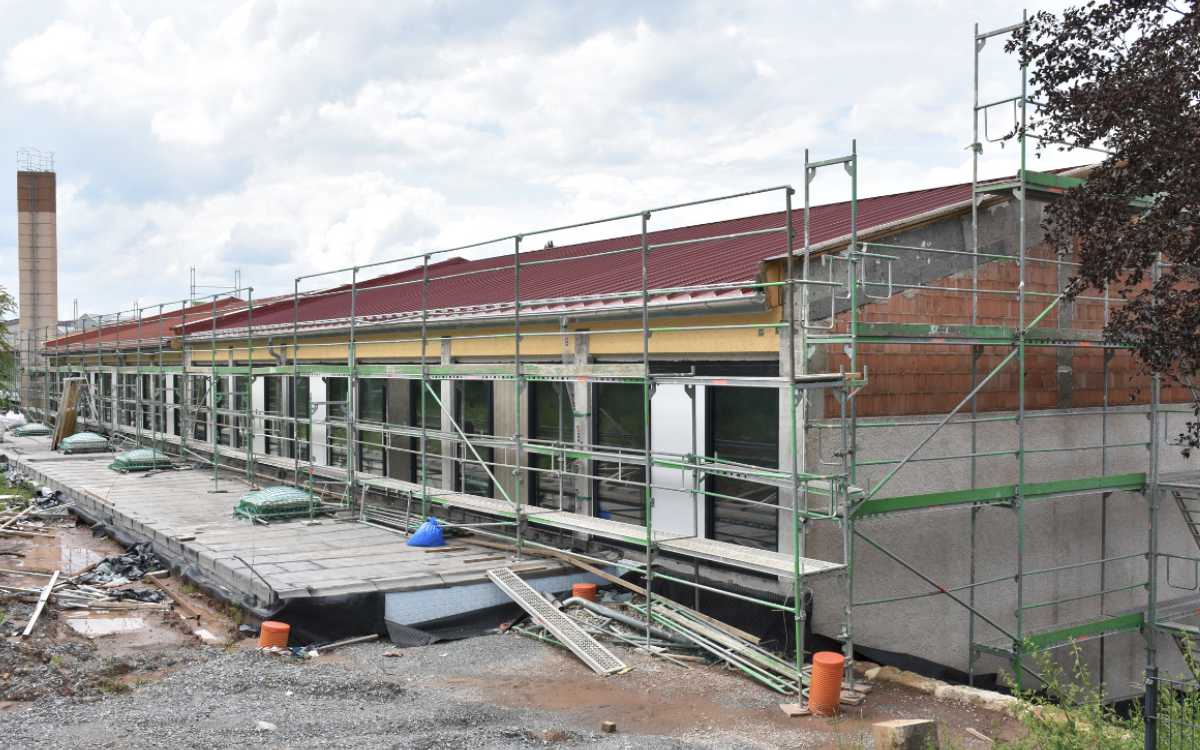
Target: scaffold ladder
x: 587, y: 648
x: 1190, y: 508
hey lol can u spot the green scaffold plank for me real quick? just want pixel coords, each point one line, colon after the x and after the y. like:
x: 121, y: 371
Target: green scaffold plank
x: 999, y: 335
x: 1002, y: 492
x: 1121, y: 623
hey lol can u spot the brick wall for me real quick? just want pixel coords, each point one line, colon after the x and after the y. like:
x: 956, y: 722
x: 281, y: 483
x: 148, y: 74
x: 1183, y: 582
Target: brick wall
x: 931, y: 378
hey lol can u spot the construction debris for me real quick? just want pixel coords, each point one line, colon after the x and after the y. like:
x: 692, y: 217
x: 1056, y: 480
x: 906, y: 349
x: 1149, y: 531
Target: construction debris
x: 664, y: 629
x: 41, y: 604
x: 564, y: 629
x: 138, y: 562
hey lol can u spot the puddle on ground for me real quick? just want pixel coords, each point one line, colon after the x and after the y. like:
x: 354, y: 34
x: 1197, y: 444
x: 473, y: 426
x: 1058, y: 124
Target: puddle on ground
x: 74, y: 559
x: 95, y: 627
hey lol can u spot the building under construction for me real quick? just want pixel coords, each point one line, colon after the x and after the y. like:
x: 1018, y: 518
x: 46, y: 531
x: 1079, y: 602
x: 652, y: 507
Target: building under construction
x: 878, y: 420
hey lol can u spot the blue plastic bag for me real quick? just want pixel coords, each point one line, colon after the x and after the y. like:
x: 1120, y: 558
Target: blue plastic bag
x: 428, y: 534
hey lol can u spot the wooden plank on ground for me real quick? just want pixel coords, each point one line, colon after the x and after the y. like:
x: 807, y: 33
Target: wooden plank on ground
x: 41, y: 604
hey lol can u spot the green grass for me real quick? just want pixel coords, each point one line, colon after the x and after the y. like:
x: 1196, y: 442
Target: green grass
x: 7, y: 488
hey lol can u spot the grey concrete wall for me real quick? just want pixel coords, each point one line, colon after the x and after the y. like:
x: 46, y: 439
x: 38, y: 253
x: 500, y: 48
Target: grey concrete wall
x: 998, y: 231
x: 1057, y: 532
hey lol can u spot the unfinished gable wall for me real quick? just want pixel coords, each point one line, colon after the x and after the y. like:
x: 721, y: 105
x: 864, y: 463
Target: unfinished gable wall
x: 931, y: 378
x: 911, y: 385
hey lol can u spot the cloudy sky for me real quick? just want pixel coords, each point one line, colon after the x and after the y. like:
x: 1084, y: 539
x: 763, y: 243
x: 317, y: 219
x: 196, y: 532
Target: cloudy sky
x: 286, y: 138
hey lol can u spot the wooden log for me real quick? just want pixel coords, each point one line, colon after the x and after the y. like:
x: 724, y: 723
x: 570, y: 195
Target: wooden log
x: 14, y: 519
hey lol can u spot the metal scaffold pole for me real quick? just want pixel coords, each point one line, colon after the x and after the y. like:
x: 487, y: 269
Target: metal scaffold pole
x: 352, y: 446
x: 976, y: 149
x: 647, y: 492
x: 295, y: 373
x: 789, y: 372
x: 423, y: 472
x: 1019, y: 499
x: 518, y: 393
x: 213, y: 419
x: 246, y: 397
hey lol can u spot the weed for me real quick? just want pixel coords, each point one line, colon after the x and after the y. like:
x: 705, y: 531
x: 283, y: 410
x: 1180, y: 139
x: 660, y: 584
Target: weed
x: 1070, y: 713
x: 113, y: 686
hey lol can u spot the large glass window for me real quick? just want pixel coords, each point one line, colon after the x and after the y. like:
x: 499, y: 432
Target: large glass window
x: 199, y: 407
x: 372, y: 409
x: 473, y: 412
x: 239, y: 400
x: 620, y: 424
x: 274, y: 405
x: 337, y: 392
x: 127, y: 398
x: 177, y: 399
x: 551, y: 421
x: 158, y: 400
x: 224, y: 406
x: 147, y: 402
x: 302, y: 414
x: 743, y: 427
x: 106, y: 398
x: 420, y: 398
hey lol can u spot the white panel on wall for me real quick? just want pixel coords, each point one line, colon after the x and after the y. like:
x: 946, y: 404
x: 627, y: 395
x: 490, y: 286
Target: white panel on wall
x: 671, y: 425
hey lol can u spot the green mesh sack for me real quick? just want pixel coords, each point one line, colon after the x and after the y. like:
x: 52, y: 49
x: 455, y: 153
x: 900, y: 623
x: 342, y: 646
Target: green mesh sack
x: 140, y: 459
x: 276, y: 502
x: 33, y: 429
x: 84, y: 442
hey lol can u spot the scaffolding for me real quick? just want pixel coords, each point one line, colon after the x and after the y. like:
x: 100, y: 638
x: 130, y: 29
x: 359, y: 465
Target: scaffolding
x: 817, y: 312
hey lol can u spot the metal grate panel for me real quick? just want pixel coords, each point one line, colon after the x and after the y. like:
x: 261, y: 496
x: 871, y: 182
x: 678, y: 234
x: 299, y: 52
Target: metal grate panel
x: 587, y: 648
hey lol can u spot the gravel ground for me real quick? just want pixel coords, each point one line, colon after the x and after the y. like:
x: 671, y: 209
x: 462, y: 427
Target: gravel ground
x: 489, y: 692
x: 356, y: 698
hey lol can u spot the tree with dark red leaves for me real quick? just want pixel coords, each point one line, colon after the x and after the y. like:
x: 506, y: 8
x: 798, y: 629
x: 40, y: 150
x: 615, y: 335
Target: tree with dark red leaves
x: 1124, y: 76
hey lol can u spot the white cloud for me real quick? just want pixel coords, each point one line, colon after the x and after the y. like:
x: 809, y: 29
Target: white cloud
x: 295, y: 137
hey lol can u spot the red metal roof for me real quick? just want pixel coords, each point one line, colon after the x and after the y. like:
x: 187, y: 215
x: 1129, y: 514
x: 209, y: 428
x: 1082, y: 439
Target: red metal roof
x: 129, y: 330
x: 592, y: 268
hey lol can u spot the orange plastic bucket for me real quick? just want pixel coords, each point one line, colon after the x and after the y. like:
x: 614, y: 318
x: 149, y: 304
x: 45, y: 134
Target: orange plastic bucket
x: 584, y: 591
x: 273, y: 633
x: 825, y: 690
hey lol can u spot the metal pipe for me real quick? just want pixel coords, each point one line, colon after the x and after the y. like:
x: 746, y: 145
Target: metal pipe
x: 622, y: 618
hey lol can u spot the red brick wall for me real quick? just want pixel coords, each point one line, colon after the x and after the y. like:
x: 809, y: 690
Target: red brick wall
x: 931, y: 378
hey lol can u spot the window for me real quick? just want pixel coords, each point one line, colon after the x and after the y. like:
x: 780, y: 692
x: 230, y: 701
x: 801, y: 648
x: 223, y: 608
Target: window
x: 177, y: 399
x: 153, y: 396
x: 147, y: 402
x: 372, y: 409
x: 303, y: 416
x: 127, y: 399
x: 224, y: 404
x: 274, y: 430
x: 620, y: 424
x: 106, y: 398
x: 199, y: 407
x: 743, y: 428
x: 337, y: 394
x: 239, y: 403
x: 473, y: 412
x: 419, y: 397
x: 551, y: 420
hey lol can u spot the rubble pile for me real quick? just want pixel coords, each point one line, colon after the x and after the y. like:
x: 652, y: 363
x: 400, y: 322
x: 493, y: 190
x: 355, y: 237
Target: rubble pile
x: 134, y: 565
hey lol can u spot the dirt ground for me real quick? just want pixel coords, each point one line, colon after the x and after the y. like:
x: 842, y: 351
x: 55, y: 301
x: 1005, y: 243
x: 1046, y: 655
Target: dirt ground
x: 185, y: 677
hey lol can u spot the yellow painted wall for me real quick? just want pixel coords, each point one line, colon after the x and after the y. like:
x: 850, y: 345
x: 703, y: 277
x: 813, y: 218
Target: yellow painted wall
x: 689, y: 335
